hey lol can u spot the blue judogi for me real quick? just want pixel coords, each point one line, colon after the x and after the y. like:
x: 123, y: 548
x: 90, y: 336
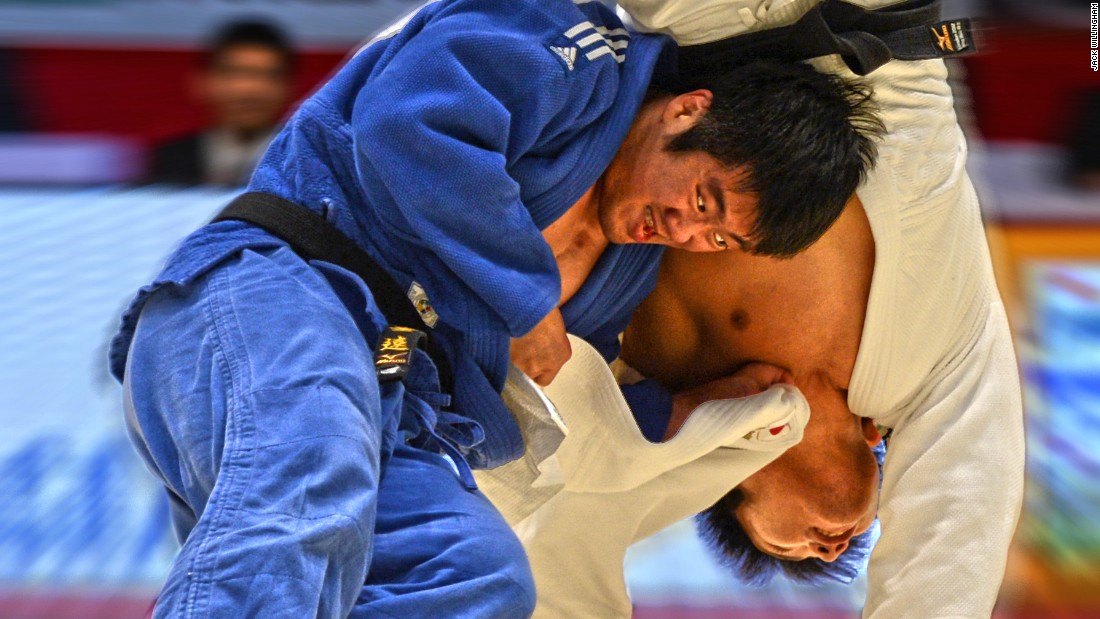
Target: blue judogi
x: 294, y: 476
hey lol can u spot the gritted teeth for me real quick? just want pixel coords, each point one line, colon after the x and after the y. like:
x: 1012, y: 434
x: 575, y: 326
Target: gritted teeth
x: 649, y: 229
x: 830, y: 535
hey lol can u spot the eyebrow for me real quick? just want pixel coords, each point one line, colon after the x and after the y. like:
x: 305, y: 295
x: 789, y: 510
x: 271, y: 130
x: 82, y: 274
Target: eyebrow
x: 715, y: 189
x: 777, y: 555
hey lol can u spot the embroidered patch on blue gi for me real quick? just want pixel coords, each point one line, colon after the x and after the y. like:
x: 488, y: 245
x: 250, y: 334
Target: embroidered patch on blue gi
x: 393, y: 355
x: 423, y: 305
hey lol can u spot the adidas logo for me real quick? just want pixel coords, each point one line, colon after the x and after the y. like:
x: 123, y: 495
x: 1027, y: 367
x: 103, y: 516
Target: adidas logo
x: 567, y: 54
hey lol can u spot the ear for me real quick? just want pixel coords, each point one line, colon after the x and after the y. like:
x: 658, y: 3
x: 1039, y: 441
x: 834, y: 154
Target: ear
x: 682, y: 112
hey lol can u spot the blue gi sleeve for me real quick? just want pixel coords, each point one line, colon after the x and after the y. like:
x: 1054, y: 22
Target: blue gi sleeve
x: 606, y: 339
x: 651, y: 405
x: 458, y: 104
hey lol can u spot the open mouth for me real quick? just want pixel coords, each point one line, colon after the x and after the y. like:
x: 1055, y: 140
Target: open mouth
x: 648, y: 230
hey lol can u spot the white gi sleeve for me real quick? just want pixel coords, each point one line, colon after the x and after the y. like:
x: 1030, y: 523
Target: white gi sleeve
x: 936, y: 364
x: 577, y: 540
x: 611, y: 487
x: 954, y: 468
x: 952, y: 488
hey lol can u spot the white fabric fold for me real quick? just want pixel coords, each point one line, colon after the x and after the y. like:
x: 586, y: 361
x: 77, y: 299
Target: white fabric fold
x: 593, y: 407
x: 616, y: 487
x: 935, y: 360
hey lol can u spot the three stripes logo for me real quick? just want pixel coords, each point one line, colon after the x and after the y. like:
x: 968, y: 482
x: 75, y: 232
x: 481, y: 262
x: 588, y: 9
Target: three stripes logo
x: 568, y: 54
x: 592, y: 42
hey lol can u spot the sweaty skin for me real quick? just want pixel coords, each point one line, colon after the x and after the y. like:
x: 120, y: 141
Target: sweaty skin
x: 712, y: 314
x: 647, y: 194
x: 577, y: 242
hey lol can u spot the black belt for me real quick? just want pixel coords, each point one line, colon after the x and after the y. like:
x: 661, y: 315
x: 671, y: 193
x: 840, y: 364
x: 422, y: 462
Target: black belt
x: 312, y: 237
x: 865, y: 39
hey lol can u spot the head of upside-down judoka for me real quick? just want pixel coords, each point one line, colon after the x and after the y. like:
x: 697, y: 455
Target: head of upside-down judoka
x: 760, y: 158
x: 810, y: 513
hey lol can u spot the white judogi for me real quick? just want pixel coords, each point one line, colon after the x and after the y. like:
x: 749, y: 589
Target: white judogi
x: 590, y: 485
x: 935, y: 364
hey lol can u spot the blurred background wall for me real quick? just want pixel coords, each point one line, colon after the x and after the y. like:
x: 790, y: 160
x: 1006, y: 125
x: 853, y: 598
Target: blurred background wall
x: 90, y: 89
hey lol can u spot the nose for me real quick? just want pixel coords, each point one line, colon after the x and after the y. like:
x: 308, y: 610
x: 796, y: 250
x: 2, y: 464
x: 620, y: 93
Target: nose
x: 687, y: 229
x: 830, y: 552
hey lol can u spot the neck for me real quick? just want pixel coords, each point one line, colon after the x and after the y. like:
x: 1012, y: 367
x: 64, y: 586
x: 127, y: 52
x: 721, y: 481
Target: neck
x: 577, y: 241
x: 586, y: 213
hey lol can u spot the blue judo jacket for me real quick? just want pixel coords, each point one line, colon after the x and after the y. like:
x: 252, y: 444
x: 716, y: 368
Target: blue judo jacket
x: 443, y: 149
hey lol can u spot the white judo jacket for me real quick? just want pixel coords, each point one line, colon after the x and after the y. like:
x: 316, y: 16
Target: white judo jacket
x: 935, y: 364
x: 590, y: 485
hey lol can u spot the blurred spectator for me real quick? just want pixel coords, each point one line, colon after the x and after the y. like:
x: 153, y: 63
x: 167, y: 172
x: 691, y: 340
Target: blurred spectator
x: 245, y: 84
x: 1084, y: 143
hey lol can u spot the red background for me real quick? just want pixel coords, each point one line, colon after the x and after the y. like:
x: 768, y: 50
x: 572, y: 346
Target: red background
x: 1024, y: 86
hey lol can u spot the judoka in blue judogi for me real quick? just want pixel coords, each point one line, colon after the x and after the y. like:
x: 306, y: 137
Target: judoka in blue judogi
x: 300, y: 486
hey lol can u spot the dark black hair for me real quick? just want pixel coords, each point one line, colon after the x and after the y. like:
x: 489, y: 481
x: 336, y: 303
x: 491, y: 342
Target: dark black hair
x: 806, y: 139
x: 719, y: 528
x: 250, y: 32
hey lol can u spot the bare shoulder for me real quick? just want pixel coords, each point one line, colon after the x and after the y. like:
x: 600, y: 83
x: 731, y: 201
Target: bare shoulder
x: 712, y: 313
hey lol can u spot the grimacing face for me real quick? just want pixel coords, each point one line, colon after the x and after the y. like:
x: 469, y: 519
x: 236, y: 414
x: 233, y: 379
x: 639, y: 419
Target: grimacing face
x: 681, y: 199
x: 819, y: 494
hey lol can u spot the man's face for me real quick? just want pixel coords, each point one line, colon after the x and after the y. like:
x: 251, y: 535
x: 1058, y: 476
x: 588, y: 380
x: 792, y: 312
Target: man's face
x: 686, y: 200
x: 247, y: 87
x: 819, y: 494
